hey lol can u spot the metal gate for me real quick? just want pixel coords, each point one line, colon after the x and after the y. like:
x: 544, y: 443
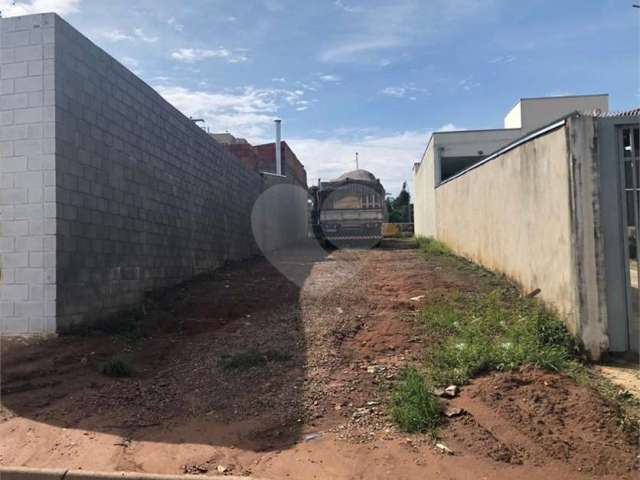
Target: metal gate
x: 629, y: 156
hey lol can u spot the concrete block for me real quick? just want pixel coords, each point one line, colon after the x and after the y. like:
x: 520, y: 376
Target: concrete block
x: 13, y: 132
x: 13, y: 164
x: 15, y: 260
x: 27, y: 53
x: 28, y: 115
x: 36, y: 68
x: 14, y: 70
x: 6, y: 87
x: 7, y: 244
x: 6, y: 118
x: 36, y: 293
x: 15, y: 228
x: 13, y: 196
x: 6, y: 309
x: 29, y: 275
x: 37, y: 324
x: 35, y: 195
x: 26, y: 309
x: 28, y: 179
x: 14, y: 292
x: 13, y: 101
x: 14, y: 326
x: 36, y: 259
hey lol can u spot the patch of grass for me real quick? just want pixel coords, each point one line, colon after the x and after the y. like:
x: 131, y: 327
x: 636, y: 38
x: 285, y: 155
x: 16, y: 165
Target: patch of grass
x: 116, y: 367
x: 629, y: 405
x: 494, y: 331
x: 252, y: 359
x: 431, y: 246
x: 414, y: 407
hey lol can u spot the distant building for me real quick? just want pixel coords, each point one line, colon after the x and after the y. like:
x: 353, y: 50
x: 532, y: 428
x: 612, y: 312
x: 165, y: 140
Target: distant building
x: 262, y: 158
x: 556, y: 209
x: 451, y: 152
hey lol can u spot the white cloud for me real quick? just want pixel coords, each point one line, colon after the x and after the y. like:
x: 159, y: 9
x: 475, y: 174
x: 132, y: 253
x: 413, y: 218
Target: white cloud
x: 346, y: 51
x: 449, y: 127
x: 404, y: 91
x: 468, y: 84
x: 115, y: 35
x: 173, y: 23
x: 375, y: 30
x: 247, y: 112
x: 503, y: 59
x: 142, y: 36
x: 347, y: 7
x: 130, y: 62
x: 330, y: 78
x: 191, y: 55
x: 61, y: 7
x: 389, y: 157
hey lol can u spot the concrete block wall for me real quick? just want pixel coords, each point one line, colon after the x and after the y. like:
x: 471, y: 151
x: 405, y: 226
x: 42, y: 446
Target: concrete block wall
x: 139, y: 197
x: 27, y: 176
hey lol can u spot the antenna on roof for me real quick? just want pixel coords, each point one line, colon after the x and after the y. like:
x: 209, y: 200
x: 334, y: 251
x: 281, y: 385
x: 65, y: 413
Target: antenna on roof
x: 357, y: 167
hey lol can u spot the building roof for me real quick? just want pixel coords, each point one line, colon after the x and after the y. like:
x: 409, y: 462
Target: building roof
x: 360, y: 174
x: 228, y: 139
x: 634, y: 112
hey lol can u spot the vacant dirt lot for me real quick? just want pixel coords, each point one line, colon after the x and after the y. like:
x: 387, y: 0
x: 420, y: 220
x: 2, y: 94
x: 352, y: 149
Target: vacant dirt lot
x: 246, y: 373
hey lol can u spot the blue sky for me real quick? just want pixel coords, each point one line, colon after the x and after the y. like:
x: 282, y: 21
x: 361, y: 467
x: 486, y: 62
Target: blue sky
x: 369, y: 76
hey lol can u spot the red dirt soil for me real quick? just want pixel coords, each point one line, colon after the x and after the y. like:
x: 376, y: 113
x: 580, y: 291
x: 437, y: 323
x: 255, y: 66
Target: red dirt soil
x: 319, y: 414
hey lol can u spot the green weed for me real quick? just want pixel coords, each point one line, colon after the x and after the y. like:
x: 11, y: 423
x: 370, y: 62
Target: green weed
x: 414, y: 407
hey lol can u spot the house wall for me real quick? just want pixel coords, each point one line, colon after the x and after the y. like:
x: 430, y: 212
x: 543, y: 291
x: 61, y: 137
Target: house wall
x: 424, y: 199
x: 538, y: 112
x: 513, y: 119
x: 469, y: 142
x: 134, y: 195
x: 27, y: 175
x: 532, y: 214
x: 512, y: 215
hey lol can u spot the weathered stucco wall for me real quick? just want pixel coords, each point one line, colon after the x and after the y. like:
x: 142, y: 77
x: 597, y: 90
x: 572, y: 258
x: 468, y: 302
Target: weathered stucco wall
x: 424, y: 200
x: 532, y: 213
x: 512, y: 215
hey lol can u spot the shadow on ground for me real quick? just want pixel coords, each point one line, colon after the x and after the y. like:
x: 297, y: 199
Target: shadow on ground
x: 222, y: 364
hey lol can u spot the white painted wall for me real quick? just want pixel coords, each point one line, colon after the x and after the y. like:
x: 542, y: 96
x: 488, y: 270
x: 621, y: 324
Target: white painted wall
x: 533, y: 113
x: 513, y: 119
x: 424, y: 195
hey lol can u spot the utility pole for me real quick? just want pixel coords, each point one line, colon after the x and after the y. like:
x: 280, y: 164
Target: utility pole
x: 357, y: 167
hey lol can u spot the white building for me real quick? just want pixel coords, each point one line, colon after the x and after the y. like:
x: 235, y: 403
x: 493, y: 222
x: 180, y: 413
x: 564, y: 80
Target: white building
x: 450, y: 153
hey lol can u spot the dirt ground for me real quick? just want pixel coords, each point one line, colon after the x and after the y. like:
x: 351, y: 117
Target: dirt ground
x: 317, y: 410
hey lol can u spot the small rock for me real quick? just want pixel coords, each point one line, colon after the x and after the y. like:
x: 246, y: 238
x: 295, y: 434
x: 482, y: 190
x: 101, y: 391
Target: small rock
x: 222, y: 469
x: 311, y: 436
x: 451, y: 391
x: 442, y: 448
x: 453, y: 412
x: 371, y: 369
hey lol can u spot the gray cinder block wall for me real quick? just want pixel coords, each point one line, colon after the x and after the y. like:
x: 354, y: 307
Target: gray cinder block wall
x: 27, y: 175
x: 108, y: 191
